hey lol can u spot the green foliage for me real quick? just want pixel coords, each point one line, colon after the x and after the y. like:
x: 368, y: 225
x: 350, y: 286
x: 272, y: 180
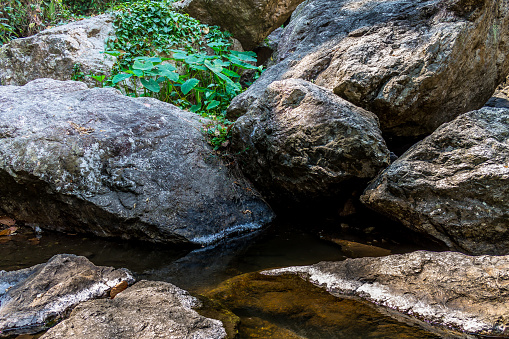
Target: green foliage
x: 205, y: 85
x: 150, y: 27
x: 22, y: 18
x: 77, y: 73
x: 194, y: 68
x: 88, y: 7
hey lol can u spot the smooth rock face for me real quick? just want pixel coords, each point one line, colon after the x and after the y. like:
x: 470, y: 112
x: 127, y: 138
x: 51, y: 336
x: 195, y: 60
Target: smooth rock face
x: 250, y: 21
x: 453, y: 185
x: 53, y: 52
x: 416, y: 64
x: 32, y: 298
x: 450, y: 289
x: 92, y: 160
x: 148, y: 309
x: 300, y: 140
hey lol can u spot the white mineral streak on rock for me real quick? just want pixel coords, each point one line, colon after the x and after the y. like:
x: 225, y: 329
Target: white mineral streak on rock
x: 213, y: 238
x: 385, y: 296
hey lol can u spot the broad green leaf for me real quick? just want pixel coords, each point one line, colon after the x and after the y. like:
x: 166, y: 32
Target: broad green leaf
x: 195, y: 108
x: 213, y: 66
x: 120, y: 77
x: 166, y: 67
x: 189, y: 85
x: 230, y: 73
x: 138, y: 72
x: 237, y: 62
x: 151, y: 85
x: 172, y: 76
x: 113, y: 53
x: 198, y: 67
x: 212, y: 104
x: 245, y: 56
x: 143, y: 65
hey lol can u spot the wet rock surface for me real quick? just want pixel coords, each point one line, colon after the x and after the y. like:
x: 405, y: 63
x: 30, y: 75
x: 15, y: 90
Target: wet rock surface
x: 250, y: 21
x: 32, y: 299
x: 148, y: 309
x: 288, y: 307
x: 453, y: 185
x: 416, y: 64
x: 95, y: 161
x: 301, y: 141
x: 54, y: 52
x: 448, y: 289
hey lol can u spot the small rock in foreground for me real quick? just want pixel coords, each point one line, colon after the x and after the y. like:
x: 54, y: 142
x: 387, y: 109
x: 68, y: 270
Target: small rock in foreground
x: 32, y: 299
x: 148, y: 309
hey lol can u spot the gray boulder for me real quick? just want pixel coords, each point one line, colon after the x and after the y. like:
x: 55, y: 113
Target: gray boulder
x: 92, y: 160
x: 250, y: 21
x: 301, y: 141
x: 451, y: 290
x: 53, y: 52
x: 415, y: 64
x: 148, y: 309
x: 32, y: 299
x: 453, y: 184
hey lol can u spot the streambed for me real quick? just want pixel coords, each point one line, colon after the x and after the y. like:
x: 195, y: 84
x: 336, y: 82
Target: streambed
x: 267, y: 307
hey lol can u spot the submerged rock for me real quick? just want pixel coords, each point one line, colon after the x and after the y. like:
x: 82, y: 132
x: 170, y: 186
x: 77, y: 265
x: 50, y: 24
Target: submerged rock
x: 453, y: 185
x: 92, y: 160
x: 32, y: 299
x: 54, y: 52
x: 416, y: 64
x: 250, y: 21
x: 148, y: 309
x: 288, y: 307
x: 301, y: 141
x: 447, y: 289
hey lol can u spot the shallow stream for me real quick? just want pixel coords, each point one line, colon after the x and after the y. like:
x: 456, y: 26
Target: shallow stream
x: 267, y: 307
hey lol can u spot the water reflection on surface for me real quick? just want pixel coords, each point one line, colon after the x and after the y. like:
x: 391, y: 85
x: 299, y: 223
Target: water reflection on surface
x: 201, y: 271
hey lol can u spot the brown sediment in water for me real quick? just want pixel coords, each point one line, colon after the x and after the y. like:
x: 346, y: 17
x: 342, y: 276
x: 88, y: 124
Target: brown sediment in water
x: 289, y: 307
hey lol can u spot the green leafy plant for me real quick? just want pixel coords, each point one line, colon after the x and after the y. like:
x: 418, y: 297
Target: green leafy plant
x: 205, y: 84
x: 88, y: 7
x: 150, y: 27
x: 172, y: 57
x: 77, y: 73
x: 22, y: 18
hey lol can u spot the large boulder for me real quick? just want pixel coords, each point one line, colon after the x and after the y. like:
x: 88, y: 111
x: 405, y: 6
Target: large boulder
x: 93, y: 160
x: 453, y: 185
x: 250, y: 21
x: 448, y: 289
x: 32, y: 299
x: 148, y: 309
x: 55, y: 52
x: 301, y: 141
x: 415, y: 64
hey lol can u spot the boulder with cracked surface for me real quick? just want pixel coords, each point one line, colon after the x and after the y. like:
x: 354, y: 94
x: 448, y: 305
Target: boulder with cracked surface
x: 32, y: 299
x: 148, y: 309
x: 452, y: 185
x: 95, y: 161
x: 54, y: 52
x: 416, y: 64
x: 301, y: 141
x: 448, y: 289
